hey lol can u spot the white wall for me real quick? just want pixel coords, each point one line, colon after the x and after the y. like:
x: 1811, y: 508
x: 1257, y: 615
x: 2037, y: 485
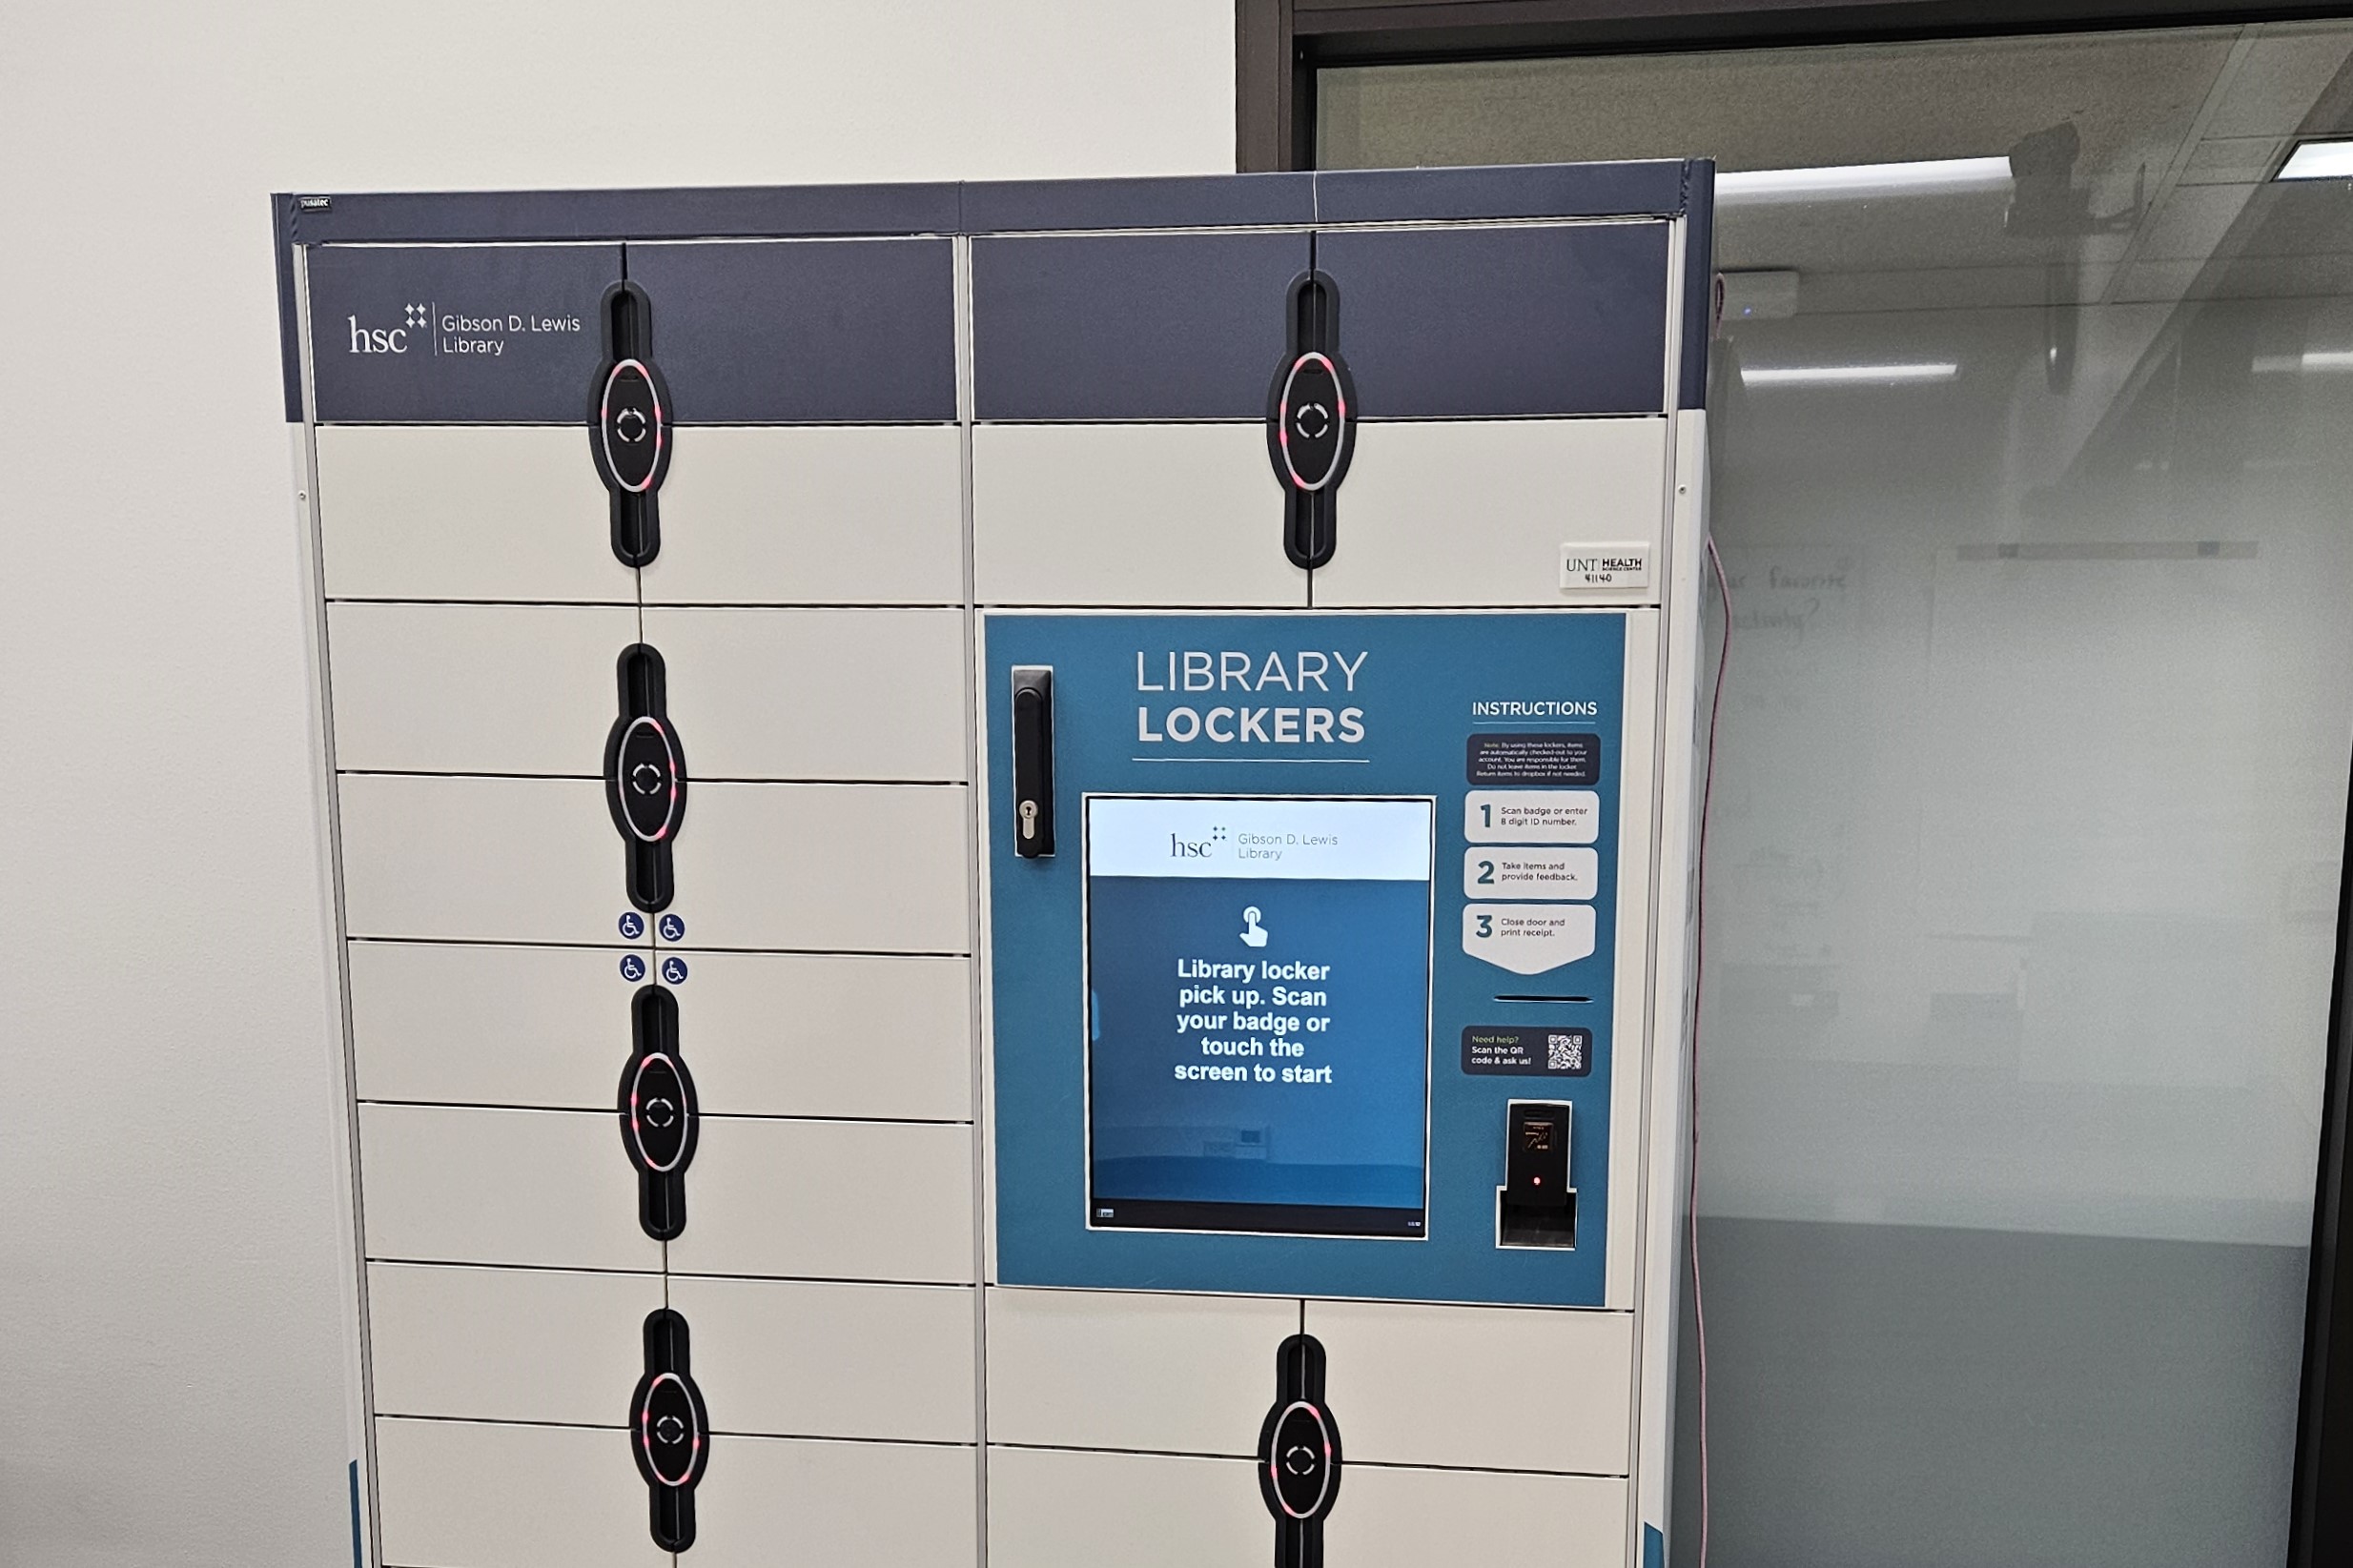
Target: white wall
x: 169, y: 1284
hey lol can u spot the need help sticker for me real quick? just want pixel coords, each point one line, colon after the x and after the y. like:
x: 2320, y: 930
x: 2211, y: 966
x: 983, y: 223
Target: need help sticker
x: 1604, y: 566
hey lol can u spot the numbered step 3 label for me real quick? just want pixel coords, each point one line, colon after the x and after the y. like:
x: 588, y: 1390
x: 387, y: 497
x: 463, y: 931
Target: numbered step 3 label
x: 1491, y: 872
x: 1529, y: 938
x: 1532, y: 816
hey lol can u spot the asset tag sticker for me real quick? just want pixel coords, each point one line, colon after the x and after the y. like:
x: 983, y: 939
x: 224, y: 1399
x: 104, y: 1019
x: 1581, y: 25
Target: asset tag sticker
x: 1605, y: 565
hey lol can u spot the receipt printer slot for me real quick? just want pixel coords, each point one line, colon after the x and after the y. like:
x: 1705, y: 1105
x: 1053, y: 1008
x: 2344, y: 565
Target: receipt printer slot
x: 1535, y: 1206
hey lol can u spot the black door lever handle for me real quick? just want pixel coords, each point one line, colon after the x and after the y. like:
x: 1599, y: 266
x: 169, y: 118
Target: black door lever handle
x: 1033, y: 822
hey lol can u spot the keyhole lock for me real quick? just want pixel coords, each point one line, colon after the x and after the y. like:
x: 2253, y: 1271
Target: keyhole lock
x: 1028, y: 821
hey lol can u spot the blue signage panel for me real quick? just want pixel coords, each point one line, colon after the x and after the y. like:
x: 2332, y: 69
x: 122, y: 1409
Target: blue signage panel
x: 1331, y: 890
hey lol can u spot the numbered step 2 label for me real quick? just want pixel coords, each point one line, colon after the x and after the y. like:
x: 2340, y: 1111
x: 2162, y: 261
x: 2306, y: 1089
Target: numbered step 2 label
x: 1491, y: 872
x: 1529, y: 938
x: 1531, y: 816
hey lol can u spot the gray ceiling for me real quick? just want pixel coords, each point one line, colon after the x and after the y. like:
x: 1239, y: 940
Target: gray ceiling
x: 2179, y: 133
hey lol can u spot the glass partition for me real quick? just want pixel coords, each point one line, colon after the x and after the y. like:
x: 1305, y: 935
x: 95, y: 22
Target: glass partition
x: 2032, y: 417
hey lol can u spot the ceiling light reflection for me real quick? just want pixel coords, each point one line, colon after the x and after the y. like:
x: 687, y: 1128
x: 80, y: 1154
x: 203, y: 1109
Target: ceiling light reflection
x: 1854, y: 181
x: 2320, y: 360
x: 1856, y: 376
x: 2316, y: 160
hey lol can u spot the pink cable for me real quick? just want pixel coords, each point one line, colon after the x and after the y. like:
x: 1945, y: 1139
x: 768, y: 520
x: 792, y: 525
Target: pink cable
x: 1699, y: 938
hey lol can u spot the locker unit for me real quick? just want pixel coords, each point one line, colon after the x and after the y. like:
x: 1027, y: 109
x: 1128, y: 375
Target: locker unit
x: 1010, y: 861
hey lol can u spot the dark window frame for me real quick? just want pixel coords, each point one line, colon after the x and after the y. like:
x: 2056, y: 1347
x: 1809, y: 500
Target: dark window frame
x: 1279, y: 47
x: 1280, y: 44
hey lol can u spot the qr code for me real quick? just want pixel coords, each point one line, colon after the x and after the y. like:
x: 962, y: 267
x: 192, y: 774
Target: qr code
x: 1564, y: 1053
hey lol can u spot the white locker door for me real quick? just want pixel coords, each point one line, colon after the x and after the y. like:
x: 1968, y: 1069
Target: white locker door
x: 462, y: 1184
x: 1497, y: 1388
x: 1144, y: 515
x: 822, y: 868
x: 458, y: 1023
x: 475, y: 688
x: 480, y: 860
x: 770, y: 1501
x: 509, y: 514
x: 1389, y: 1516
x: 829, y: 1201
x: 485, y: 1495
x: 1051, y: 1508
x: 480, y: 1344
x: 834, y: 694
x: 811, y: 515
x: 830, y: 1034
x: 833, y: 1358
x: 1477, y: 512
x: 1126, y: 1370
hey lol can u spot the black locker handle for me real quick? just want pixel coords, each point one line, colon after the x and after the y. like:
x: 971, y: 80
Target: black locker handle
x: 1032, y: 820
x: 1311, y: 421
x: 645, y: 777
x: 670, y: 1431
x: 629, y: 423
x: 1298, y: 1455
x: 661, y: 1118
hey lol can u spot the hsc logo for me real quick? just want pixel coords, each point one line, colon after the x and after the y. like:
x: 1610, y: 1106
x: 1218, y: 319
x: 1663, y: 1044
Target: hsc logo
x: 388, y: 339
x: 1194, y: 849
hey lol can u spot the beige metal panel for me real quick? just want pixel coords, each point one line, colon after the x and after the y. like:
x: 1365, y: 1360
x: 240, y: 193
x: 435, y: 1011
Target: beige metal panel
x: 1475, y: 512
x: 1504, y: 1388
x: 477, y: 1495
x: 811, y: 515
x: 815, y: 693
x: 1071, y: 1509
x: 829, y: 1201
x: 1413, y: 1518
x: 1143, y: 514
x: 489, y: 1025
x: 810, y: 1358
x: 507, y: 1344
x: 772, y: 1500
x: 480, y: 860
x: 1097, y: 1368
x: 455, y: 1184
x: 475, y: 688
x: 466, y: 512
x: 830, y: 1034
x: 822, y: 868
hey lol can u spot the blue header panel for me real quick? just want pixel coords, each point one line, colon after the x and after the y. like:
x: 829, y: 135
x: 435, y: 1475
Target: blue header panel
x: 1495, y: 323
x: 1331, y: 890
x: 1135, y: 309
x: 1143, y: 326
x: 457, y: 334
x: 824, y: 331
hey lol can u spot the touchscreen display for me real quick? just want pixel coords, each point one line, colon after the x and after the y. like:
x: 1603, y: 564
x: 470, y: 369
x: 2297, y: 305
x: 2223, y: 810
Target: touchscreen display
x: 1259, y: 1014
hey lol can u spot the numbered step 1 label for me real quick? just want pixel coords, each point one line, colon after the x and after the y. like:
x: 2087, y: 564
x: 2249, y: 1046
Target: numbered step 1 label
x: 1529, y: 938
x: 1491, y: 872
x: 1532, y: 816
